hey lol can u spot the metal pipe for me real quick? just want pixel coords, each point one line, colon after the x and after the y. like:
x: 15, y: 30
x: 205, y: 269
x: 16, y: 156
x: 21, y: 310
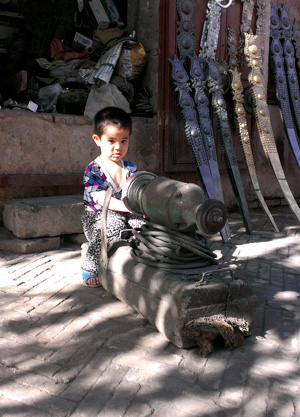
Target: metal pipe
x: 177, y: 205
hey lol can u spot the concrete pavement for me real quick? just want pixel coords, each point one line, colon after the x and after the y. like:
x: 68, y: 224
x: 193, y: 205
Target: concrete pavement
x: 66, y: 350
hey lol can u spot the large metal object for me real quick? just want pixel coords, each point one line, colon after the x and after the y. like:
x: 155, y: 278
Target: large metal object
x: 189, y: 311
x: 190, y: 307
x: 177, y: 205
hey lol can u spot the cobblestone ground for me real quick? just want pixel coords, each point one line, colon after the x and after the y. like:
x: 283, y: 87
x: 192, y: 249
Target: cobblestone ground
x: 66, y: 350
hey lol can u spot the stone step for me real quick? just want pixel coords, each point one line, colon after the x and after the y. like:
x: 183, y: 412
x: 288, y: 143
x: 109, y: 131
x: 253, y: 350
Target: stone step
x: 29, y: 218
x: 10, y: 243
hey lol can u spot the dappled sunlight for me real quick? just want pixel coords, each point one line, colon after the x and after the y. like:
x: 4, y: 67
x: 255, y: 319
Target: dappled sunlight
x: 68, y: 350
x: 265, y: 249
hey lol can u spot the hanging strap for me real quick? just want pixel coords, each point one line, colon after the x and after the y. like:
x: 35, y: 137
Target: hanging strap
x: 241, y: 121
x: 282, y: 82
x: 200, y: 139
x: 263, y: 118
x: 291, y: 72
x: 103, y: 261
x: 208, y: 45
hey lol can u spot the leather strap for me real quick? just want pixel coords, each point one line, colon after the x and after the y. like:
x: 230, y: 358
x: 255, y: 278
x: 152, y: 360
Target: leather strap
x: 208, y: 44
x: 186, y: 42
x: 198, y: 81
x: 282, y: 83
x: 103, y: 261
x: 261, y: 27
x: 263, y: 120
x: 241, y: 121
x: 291, y: 72
x: 211, y: 30
x: 247, y: 15
x: 219, y: 105
x: 204, y: 153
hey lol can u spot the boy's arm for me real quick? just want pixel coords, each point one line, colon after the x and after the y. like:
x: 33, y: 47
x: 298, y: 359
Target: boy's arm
x: 115, y: 204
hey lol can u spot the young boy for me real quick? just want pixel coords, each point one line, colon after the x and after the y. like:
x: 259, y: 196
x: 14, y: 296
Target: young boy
x: 112, y: 129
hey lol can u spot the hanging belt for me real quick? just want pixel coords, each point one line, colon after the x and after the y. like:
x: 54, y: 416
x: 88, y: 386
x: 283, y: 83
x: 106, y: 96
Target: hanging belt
x: 185, y: 28
x: 296, y: 35
x: 197, y: 77
x: 202, y: 151
x: 291, y: 73
x: 208, y: 46
x: 103, y: 260
x: 247, y: 15
x: 260, y: 27
x: 263, y: 119
x: 181, y: 83
x: 241, y: 121
x: 282, y: 83
x: 180, y: 80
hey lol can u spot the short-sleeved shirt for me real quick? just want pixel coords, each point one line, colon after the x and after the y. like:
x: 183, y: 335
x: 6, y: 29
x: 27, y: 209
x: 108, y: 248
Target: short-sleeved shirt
x: 96, y: 178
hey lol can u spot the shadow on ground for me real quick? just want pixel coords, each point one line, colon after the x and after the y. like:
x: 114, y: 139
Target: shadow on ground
x: 68, y: 350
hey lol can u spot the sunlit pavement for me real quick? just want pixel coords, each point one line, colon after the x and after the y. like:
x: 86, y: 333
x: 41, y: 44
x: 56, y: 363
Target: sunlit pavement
x: 67, y: 350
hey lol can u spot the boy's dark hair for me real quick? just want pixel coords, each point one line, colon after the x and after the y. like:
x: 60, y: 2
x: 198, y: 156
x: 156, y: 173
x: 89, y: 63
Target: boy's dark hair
x: 111, y: 116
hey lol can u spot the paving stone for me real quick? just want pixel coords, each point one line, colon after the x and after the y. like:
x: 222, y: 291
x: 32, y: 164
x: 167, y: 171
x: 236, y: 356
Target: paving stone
x: 75, y: 355
x: 39, y: 367
x: 102, y: 391
x: 213, y: 373
x: 65, y: 329
x: 10, y: 408
x: 44, y: 216
x: 170, y: 378
x: 9, y: 242
x: 13, y: 353
x: 141, y: 409
x: 233, y: 383
x: 92, y: 370
x: 121, y: 399
x: 197, y: 406
x: 34, y: 397
x: 255, y: 398
x: 67, y: 351
x: 143, y: 352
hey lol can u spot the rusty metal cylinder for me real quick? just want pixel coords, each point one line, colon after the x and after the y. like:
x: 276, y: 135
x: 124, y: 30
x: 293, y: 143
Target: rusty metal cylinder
x: 179, y: 206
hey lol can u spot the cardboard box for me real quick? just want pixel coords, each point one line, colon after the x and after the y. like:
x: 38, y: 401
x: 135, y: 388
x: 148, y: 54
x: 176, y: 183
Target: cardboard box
x: 80, y: 41
x: 105, y: 13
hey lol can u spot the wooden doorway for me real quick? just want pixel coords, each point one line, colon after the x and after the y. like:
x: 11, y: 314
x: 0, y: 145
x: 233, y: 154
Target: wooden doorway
x: 177, y: 156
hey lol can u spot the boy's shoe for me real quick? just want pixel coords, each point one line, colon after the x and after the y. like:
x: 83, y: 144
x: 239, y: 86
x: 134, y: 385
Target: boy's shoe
x: 86, y: 275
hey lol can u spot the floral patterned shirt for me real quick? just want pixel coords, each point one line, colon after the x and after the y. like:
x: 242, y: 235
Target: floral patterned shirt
x: 96, y: 178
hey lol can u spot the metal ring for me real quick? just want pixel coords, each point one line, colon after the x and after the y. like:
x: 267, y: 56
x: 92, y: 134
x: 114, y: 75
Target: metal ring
x: 224, y: 6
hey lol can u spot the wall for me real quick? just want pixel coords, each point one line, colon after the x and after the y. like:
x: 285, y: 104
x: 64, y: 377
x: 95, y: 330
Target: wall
x: 178, y: 165
x: 46, y: 154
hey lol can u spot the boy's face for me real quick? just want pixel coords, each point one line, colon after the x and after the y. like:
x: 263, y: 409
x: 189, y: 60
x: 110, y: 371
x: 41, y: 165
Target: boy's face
x: 113, y: 142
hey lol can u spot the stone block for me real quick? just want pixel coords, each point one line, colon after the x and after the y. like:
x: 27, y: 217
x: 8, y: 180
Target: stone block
x: 172, y: 302
x: 75, y: 238
x: 10, y: 243
x: 44, y: 216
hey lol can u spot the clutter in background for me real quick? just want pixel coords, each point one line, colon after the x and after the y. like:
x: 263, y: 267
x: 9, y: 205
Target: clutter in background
x: 78, y: 67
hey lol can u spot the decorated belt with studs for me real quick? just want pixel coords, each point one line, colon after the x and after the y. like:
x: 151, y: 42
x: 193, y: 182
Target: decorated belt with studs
x: 263, y: 120
x: 282, y: 80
